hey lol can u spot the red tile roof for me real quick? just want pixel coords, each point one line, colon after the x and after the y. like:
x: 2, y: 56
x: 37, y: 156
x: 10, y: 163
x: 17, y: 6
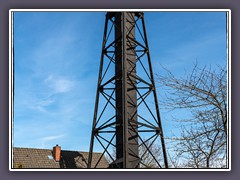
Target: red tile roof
x: 43, y: 158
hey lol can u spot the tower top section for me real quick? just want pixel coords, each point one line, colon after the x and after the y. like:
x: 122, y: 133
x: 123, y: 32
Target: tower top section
x: 110, y: 15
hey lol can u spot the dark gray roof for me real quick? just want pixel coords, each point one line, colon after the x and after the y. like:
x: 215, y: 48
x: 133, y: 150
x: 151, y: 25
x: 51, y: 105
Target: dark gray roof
x: 43, y: 158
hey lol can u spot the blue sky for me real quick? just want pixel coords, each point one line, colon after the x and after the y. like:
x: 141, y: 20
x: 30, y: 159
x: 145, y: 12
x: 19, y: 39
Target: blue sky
x: 57, y: 61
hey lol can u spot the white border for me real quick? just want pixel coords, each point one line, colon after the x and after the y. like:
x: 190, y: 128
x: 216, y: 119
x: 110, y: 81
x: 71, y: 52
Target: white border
x: 11, y: 37
x: 229, y: 81
x: 10, y: 87
x: 120, y: 10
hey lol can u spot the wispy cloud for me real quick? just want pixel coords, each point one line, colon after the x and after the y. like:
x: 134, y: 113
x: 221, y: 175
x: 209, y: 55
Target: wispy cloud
x: 49, y: 100
x: 59, y: 84
x: 50, y: 140
x: 56, y: 69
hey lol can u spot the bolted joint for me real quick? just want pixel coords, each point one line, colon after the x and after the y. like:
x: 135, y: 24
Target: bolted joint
x: 100, y: 88
x: 151, y: 88
x: 158, y: 131
x: 96, y: 131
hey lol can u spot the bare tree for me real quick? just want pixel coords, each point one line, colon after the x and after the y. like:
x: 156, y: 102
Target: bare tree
x: 148, y: 160
x: 203, y: 139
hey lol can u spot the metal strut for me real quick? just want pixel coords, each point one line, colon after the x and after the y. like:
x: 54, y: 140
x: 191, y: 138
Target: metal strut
x: 126, y: 124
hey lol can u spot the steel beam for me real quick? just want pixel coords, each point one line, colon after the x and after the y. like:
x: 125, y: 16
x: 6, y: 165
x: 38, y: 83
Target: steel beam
x: 124, y: 130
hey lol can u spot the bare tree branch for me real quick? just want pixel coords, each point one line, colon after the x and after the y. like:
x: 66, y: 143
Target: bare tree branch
x: 203, y: 139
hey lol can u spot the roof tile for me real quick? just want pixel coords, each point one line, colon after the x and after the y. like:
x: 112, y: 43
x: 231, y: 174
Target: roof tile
x: 39, y: 158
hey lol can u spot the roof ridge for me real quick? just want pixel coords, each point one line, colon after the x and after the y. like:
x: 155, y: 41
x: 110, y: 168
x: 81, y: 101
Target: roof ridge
x: 51, y: 150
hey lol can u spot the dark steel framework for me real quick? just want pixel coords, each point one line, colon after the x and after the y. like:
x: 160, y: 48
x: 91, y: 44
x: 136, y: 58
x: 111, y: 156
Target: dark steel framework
x: 126, y: 122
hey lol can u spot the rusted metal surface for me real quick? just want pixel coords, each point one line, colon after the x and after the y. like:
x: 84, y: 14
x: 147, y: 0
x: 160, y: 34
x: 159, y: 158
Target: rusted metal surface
x: 122, y: 134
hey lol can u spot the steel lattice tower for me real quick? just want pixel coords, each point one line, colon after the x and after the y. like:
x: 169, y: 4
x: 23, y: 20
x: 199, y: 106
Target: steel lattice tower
x: 126, y: 122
